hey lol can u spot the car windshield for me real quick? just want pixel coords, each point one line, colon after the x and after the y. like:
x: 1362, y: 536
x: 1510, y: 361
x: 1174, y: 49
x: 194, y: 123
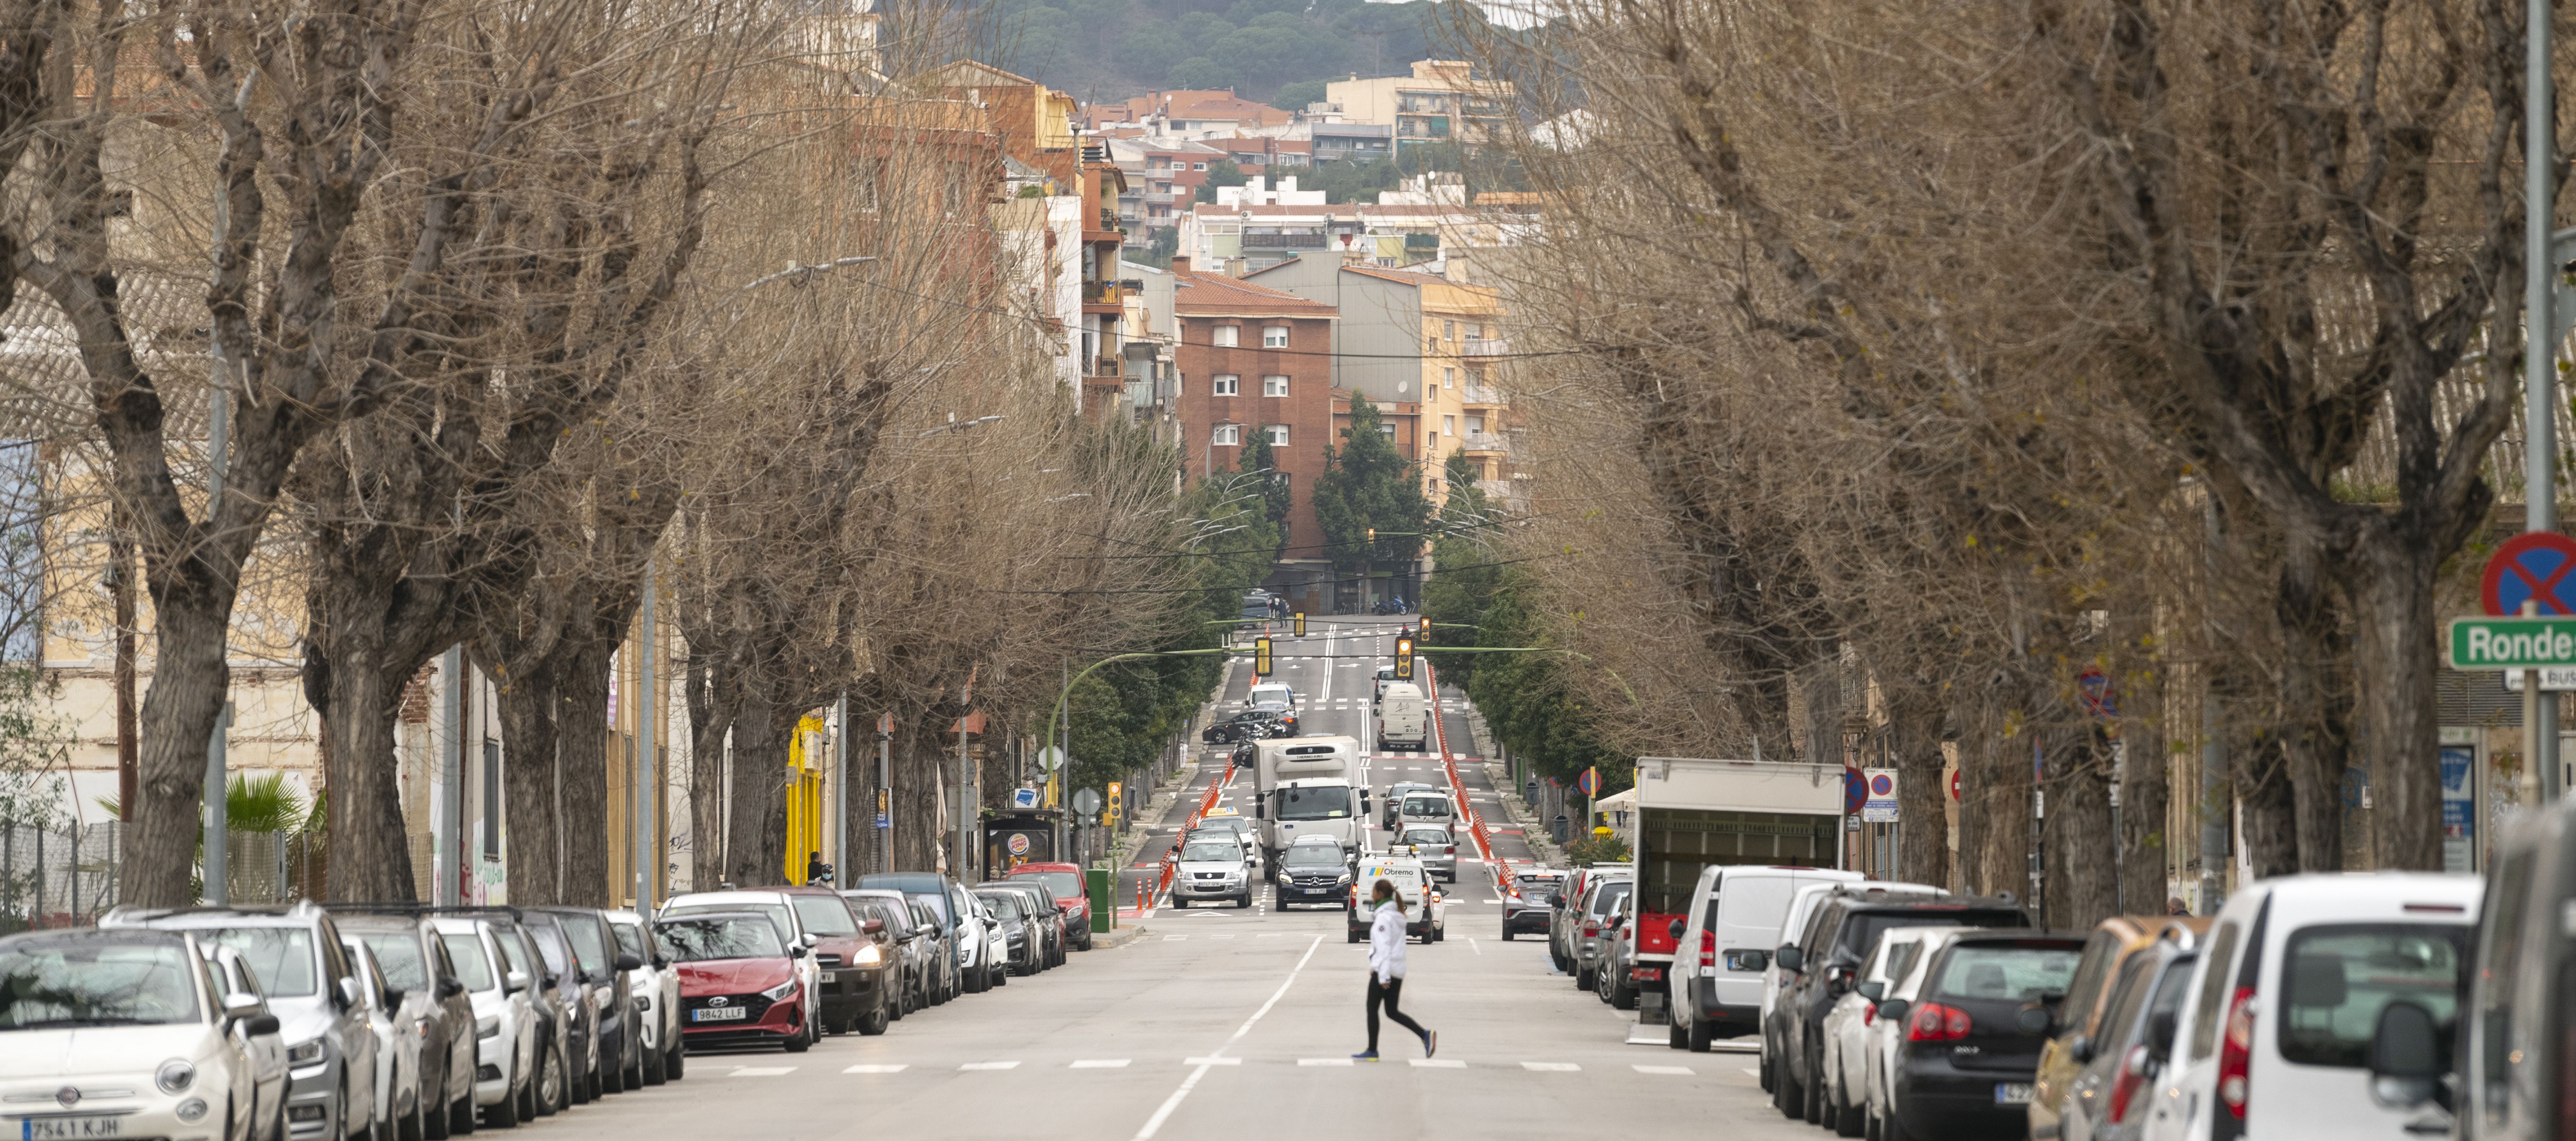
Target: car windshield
x: 1231, y: 825
x: 1426, y: 806
x: 720, y: 937
x: 2007, y: 971
x: 1426, y: 836
x: 825, y: 916
x: 1315, y: 855
x: 1065, y: 885
x: 472, y: 968
x: 1314, y: 803
x: 1609, y: 897
x: 2342, y: 975
x: 398, y: 952
x: 513, y: 948
x: 551, y: 945
x: 630, y: 938
x: 777, y: 913
x: 94, y: 983
x: 282, y: 957
x: 1212, y: 852
x: 1003, y: 903
x: 936, y: 901
x: 584, y: 933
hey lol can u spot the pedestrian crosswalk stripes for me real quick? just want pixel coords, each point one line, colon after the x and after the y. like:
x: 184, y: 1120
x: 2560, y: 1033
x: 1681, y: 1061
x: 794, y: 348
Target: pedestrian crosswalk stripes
x: 881, y: 1068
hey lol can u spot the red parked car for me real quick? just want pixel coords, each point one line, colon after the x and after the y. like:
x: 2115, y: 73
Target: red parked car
x: 1065, y: 880
x: 738, y: 981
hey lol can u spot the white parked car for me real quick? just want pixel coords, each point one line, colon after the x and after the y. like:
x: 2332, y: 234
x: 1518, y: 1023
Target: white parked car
x: 657, y: 997
x: 509, y: 1053
x: 1721, y: 980
x: 267, y: 1052
x: 123, y: 1033
x: 398, y: 1037
x: 2274, y: 1034
x: 1847, y: 1025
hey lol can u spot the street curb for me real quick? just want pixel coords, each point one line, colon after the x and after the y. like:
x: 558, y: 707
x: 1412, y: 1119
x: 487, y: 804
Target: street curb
x: 1118, y: 937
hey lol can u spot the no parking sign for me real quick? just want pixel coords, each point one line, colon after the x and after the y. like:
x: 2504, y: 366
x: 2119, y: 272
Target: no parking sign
x: 1880, y: 806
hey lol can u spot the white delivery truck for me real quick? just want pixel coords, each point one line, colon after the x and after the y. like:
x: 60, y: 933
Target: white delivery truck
x: 1403, y: 718
x: 1306, y: 786
x: 1693, y: 814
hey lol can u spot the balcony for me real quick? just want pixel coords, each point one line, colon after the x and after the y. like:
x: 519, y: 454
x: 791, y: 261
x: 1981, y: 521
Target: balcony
x: 1484, y: 347
x: 1103, y: 296
x: 1105, y: 370
x: 1484, y: 394
x: 1283, y: 241
x: 1486, y: 442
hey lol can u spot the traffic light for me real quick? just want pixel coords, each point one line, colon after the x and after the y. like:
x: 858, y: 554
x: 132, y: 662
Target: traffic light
x: 1423, y: 636
x: 1261, y: 656
x: 1404, y: 658
x: 1110, y: 812
x: 1300, y: 627
x: 1372, y: 534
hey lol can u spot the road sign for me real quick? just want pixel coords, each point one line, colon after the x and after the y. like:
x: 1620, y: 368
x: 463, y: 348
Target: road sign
x: 1588, y: 782
x: 2509, y: 643
x: 1086, y: 801
x: 1404, y: 658
x: 2096, y: 687
x: 2531, y: 567
x: 1855, y: 792
x: 1299, y: 620
x: 1880, y: 807
x: 1050, y: 759
x: 1954, y: 785
x: 2551, y: 681
x: 1024, y: 798
x: 1261, y: 656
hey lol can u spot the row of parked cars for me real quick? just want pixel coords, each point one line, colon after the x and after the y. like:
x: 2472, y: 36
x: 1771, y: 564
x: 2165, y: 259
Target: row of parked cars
x: 2363, y: 1005
x: 401, y: 1022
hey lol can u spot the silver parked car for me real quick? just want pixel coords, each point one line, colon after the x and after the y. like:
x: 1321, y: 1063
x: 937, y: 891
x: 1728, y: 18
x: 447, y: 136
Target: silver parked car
x: 656, y: 986
x: 398, y: 1030
x: 260, y: 1046
x: 416, y: 967
x: 512, y: 1043
x: 313, y: 990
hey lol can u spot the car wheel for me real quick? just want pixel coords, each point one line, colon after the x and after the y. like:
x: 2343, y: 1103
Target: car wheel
x: 1701, y: 1036
x: 1243, y: 901
x: 1870, y: 1129
x: 549, y: 1083
x: 1507, y: 934
x: 433, y: 1126
x: 502, y: 1114
x: 593, y: 1085
x: 1848, y: 1120
x: 652, y: 1063
x: 1675, y: 1035
x: 1623, y: 996
x: 1785, y: 1094
x: 676, y: 1061
x: 1583, y: 979
x: 460, y: 1116
x: 803, y: 1041
x: 1355, y: 936
x: 877, y: 1021
x: 1813, y: 1105
x: 1763, y: 1073
x: 527, y: 1095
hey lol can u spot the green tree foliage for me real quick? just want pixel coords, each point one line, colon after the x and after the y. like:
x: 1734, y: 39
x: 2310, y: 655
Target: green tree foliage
x: 1257, y: 459
x: 1295, y: 96
x: 1162, y: 243
x: 1525, y: 698
x: 1367, y: 483
x: 1220, y: 172
x: 35, y: 750
x: 1260, y: 49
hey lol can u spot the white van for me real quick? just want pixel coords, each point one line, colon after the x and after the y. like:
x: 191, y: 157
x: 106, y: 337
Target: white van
x: 2275, y: 1031
x: 1404, y: 718
x: 1724, y: 950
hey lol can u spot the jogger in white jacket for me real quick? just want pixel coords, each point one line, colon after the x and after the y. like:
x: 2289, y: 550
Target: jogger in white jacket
x: 1386, y: 969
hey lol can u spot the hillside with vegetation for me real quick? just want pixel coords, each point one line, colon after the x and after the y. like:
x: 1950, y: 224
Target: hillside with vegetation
x: 1276, y: 51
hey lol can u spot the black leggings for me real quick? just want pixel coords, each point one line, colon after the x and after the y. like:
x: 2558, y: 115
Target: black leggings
x: 1387, y: 993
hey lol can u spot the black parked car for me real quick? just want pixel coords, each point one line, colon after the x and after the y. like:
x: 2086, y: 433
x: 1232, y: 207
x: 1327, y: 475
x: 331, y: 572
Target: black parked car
x: 1964, y: 1066
x: 942, y: 900
x: 606, y: 966
x: 1249, y: 725
x: 569, y: 975
x: 1040, y: 907
x: 1841, y: 934
x: 1019, y: 930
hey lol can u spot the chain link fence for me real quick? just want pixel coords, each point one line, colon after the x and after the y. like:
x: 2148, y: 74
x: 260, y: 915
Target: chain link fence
x: 66, y: 876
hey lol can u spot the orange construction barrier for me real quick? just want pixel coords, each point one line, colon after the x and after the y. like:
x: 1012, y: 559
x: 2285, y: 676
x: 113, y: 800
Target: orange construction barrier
x: 1475, y: 820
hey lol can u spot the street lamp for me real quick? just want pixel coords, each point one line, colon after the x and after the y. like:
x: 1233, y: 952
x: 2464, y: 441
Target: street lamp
x: 954, y: 423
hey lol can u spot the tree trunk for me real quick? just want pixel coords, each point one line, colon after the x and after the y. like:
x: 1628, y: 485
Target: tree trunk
x: 2087, y: 846
x: 712, y: 703
x: 2396, y: 662
x: 2268, y: 827
x: 370, y: 855
x: 1823, y: 690
x: 1915, y: 722
x: 2316, y: 726
x: 582, y: 743
x: 526, y: 706
x: 190, y: 680
x: 2003, y: 814
x: 2144, y: 794
x: 756, y: 841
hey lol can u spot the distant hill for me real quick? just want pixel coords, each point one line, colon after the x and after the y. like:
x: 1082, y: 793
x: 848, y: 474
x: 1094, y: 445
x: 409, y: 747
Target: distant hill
x: 1274, y: 51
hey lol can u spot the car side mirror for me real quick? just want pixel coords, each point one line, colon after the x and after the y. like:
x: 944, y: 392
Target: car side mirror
x: 810, y: 939
x: 349, y: 993
x: 450, y: 987
x: 258, y: 1025
x: 1790, y: 958
x: 628, y: 962
x: 2405, y: 1058
x: 1873, y: 991
x: 2034, y: 1020
x: 1893, y: 1010
x: 243, y: 1004
x: 796, y: 951
x: 2080, y: 1048
x: 872, y: 926
x: 1676, y: 928
x: 516, y: 981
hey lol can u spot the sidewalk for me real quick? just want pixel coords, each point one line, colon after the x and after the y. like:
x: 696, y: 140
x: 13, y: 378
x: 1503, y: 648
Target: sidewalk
x: 1533, y: 830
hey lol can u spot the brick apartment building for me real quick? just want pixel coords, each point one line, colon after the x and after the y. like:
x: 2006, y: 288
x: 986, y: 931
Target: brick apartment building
x: 1254, y: 359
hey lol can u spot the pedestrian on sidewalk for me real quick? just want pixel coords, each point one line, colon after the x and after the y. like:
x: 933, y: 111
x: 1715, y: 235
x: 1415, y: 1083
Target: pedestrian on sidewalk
x: 1386, y: 969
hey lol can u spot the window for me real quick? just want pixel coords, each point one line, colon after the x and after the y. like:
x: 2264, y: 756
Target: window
x: 1274, y: 336
x: 2214, y: 977
x: 1449, y: 330
x: 1274, y: 386
x: 1198, y: 166
x: 1449, y: 424
x: 1278, y: 434
x: 1387, y: 429
x: 1228, y: 336
x: 2342, y: 975
x: 1448, y: 378
x: 1475, y: 423
x: 1227, y: 435
x: 1228, y: 384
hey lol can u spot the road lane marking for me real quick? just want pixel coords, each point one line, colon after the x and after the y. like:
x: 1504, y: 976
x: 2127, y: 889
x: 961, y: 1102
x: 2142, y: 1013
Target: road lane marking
x: 762, y: 1071
x: 1438, y: 1064
x: 1684, y: 1070
x: 1154, y: 1124
x: 990, y: 1066
x: 1324, y: 1061
x: 1472, y: 945
x: 1551, y: 1067
x: 1214, y: 1060
x: 1101, y: 1064
x: 873, y: 1068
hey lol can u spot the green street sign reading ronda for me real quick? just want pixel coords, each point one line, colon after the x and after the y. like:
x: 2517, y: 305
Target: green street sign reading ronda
x: 2512, y: 643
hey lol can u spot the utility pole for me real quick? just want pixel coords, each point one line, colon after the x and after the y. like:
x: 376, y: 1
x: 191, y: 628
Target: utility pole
x: 218, y: 825
x: 965, y: 801
x: 885, y: 792
x: 2539, y: 354
x: 648, y: 707
x: 447, y: 789
x: 2213, y: 753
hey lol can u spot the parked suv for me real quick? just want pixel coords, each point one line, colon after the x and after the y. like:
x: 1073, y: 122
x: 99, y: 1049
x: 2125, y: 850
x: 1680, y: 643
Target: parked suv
x: 1844, y: 929
x: 511, y: 1041
x: 849, y: 968
x: 1565, y: 918
x: 961, y: 939
x: 2294, y: 982
x: 905, y: 942
x: 656, y: 988
x: 313, y: 990
x: 1065, y: 881
x: 567, y: 981
x: 1722, y: 949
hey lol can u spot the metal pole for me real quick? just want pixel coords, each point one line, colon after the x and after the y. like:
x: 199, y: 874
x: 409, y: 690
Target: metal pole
x: 885, y: 791
x: 2213, y: 754
x: 648, y: 840
x: 2540, y: 352
x: 447, y: 792
x: 965, y: 800
x: 218, y: 826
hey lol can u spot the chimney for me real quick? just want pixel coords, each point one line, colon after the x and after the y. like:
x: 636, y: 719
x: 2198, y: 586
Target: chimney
x: 1180, y: 263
